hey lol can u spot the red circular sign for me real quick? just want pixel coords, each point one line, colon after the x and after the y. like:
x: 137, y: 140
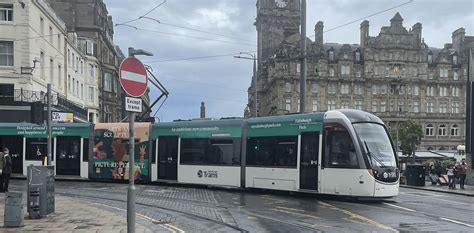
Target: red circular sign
x: 133, y: 77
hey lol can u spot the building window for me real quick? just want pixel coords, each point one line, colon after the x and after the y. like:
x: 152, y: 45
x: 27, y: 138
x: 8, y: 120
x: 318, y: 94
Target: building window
x: 91, y: 94
x: 298, y: 68
x: 455, y: 91
x: 91, y: 73
x: 383, y: 89
x: 82, y: 91
x: 345, y: 104
x: 357, y: 56
x: 374, y: 89
x: 59, y: 41
x: 442, y: 130
x: 344, y: 89
x: 331, y: 72
x: 332, y: 88
x: 402, y: 89
x: 443, y: 108
x: 455, y: 75
x: 429, y: 130
x: 77, y: 88
x: 42, y: 26
x: 383, y: 105
x: 51, y: 34
x: 392, y: 105
x: 454, y: 107
x: 358, y: 104
x: 314, y: 88
x: 315, y: 105
x: 430, y: 91
x: 42, y: 65
x: 108, y: 82
x: 358, y: 74
x: 401, y: 105
x: 455, y: 130
x: 69, y: 81
x: 60, y: 77
x: 416, y: 106
x: 73, y: 85
x: 358, y: 89
x: 6, y: 53
x: 430, y: 107
x: 455, y: 59
x: 443, y: 72
x: 416, y: 90
x: 430, y: 58
x: 374, y: 105
x: 89, y: 48
x: 287, y: 87
x: 443, y: 91
x: 288, y: 105
x: 331, y: 55
x: 51, y: 71
x: 298, y: 106
x: 6, y: 12
x: 331, y: 104
x: 345, y: 70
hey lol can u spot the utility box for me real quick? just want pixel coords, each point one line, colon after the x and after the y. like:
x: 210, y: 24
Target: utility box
x: 40, y: 191
x: 14, y: 209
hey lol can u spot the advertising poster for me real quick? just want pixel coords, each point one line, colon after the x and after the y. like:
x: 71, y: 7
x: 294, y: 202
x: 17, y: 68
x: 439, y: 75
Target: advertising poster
x: 110, y: 154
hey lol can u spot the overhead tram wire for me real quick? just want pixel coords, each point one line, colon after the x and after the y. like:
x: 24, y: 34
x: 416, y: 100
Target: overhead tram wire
x: 194, y: 58
x: 194, y: 37
x: 140, y: 17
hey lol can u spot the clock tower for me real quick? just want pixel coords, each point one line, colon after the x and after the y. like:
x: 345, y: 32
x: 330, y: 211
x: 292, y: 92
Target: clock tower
x: 276, y: 19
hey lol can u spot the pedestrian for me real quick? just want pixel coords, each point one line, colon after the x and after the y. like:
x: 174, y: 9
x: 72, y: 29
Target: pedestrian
x: 7, y: 169
x: 450, y: 173
x: 462, y: 171
x: 438, y: 169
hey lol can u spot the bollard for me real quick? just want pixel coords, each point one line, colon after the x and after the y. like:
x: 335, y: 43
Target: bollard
x: 33, y: 203
x: 13, y: 209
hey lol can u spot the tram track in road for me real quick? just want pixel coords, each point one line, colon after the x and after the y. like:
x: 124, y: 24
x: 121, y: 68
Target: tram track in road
x: 184, y: 213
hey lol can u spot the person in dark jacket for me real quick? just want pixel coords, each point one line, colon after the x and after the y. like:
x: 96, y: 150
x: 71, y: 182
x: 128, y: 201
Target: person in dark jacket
x: 6, y: 171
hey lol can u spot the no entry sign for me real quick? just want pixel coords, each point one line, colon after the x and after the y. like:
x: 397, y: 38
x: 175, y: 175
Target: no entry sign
x: 133, y: 77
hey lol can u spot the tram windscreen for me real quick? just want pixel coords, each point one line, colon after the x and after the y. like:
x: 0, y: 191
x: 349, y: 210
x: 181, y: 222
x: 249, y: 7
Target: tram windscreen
x: 375, y: 139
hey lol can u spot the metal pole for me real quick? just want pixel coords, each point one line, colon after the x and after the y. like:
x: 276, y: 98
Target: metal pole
x: 49, y: 125
x: 131, y: 177
x: 303, y: 58
x: 131, y: 166
x: 255, y: 82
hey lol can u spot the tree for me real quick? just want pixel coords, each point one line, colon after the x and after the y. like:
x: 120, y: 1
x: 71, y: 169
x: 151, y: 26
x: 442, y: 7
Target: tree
x: 410, y: 134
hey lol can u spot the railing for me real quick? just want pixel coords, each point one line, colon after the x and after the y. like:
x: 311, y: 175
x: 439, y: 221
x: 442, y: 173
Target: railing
x: 59, y: 101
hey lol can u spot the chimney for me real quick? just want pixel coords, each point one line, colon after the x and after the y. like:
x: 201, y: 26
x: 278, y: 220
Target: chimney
x: 318, y: 32
x: 364, y: 33
x: 203, y: 111
x: 416, y: 30
x: 458, y: 39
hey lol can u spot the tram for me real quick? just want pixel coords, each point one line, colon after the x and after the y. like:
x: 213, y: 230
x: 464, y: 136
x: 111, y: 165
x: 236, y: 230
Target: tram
x: 338, y: 152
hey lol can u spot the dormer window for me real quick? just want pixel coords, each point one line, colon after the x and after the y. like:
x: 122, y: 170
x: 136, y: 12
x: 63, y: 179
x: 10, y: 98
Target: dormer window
x: 331, y: 55
x: 357, y: 56
x: 455, y: 59
x: 430, y: 57
x: 345, y: 56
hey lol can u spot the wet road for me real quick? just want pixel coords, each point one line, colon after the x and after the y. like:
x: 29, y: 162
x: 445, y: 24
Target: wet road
x: 195, y: 209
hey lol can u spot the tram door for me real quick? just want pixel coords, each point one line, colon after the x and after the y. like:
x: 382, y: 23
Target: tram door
x: 168, y: 157
x: 68, y: 156
x: 309, y: 160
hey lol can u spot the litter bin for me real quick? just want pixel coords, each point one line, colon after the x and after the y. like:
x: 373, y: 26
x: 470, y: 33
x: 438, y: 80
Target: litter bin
x: 13, y: 209
x: 415, y: 175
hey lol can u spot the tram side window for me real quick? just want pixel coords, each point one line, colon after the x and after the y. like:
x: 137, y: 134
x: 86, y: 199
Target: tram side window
x: 340, y: 150
x: 210, y: 151
x: 272, y: 151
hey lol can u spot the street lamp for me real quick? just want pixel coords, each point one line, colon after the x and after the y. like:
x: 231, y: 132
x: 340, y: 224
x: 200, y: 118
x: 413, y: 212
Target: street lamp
x: 255, y: 76
x: 131, y: 159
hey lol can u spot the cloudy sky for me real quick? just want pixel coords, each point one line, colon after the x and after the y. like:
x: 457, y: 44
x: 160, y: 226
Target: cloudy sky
x: 225, y: 27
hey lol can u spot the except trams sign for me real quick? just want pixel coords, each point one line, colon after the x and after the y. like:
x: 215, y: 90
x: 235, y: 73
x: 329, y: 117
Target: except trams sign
x: 133, y: 104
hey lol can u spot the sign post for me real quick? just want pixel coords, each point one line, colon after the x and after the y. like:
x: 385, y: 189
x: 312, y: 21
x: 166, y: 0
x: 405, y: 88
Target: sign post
x: 134, y: 81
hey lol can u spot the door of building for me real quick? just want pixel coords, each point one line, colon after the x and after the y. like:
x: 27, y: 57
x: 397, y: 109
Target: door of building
x: 168, y: 157
x: 309, y: 161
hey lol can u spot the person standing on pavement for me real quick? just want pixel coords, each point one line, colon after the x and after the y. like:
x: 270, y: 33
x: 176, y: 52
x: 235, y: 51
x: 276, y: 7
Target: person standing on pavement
x: 2, y: 159
x: 7, y: 169
x: 462, y: 171
x: 450, y: 173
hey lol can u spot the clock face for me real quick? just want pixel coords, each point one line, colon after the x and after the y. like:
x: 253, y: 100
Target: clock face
x: 281, y: 3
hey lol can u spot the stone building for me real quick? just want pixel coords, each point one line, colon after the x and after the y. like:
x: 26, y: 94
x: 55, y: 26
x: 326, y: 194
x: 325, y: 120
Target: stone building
x: 33, y: 43
x: 94, y: 27
x: 394, y: 75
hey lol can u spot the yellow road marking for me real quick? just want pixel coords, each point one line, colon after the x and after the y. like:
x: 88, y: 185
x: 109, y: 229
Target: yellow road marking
x: 290, y: 209
x: 298, y: 214
x: 354, y: 216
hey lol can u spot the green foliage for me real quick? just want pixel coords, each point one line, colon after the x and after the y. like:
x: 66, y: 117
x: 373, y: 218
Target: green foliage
x: 410, y: 134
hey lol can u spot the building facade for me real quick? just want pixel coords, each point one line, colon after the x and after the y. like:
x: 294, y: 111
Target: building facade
x: 33, y: 47
x: 394, y: 75
x: 94, y: 27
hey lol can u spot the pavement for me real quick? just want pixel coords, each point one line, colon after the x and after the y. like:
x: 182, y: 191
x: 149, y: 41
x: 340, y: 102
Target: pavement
x: 72, y: 215
x: 467, y: 191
